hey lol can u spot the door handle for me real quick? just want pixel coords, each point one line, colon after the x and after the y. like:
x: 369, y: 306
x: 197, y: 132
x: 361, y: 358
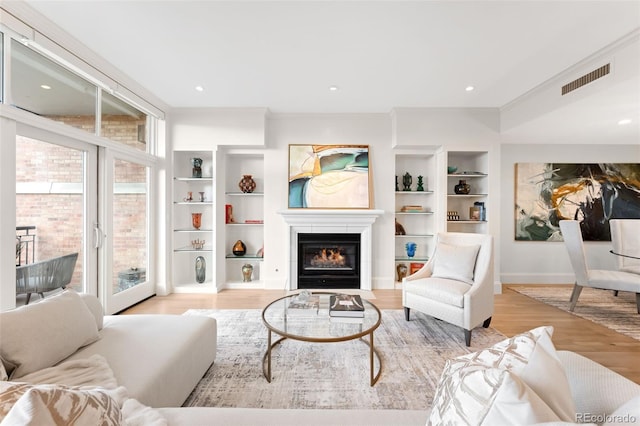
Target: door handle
x: 98, y: 236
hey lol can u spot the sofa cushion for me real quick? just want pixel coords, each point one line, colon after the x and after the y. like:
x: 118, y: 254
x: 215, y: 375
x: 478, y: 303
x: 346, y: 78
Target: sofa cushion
x: 158, y: 358
x: 25, y: 404
x: 95, y: 307
x: 60, y: 324
x: 455, y: 262
x: 530, y: 356
x: 627, y: 413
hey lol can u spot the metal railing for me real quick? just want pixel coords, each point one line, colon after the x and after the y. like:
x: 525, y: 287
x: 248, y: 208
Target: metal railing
x: 25, y: 244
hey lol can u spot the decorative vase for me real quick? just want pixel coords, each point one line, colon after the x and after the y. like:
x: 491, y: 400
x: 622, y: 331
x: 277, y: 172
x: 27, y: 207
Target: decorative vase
x: 402, y: 271
x: 201, y: 269
x: 397, y: 188
x: 247, y: 271
x: 196, y: 220
x: 201, y: 196
x: 462, y: 187
x: 239, y: 248
x: 411, y: 249
x: 420, y: 184
x: 247, y: 184
x: 196, y: 172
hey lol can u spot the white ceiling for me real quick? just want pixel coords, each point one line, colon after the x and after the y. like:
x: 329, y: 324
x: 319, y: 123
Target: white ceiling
x: 284, y: 55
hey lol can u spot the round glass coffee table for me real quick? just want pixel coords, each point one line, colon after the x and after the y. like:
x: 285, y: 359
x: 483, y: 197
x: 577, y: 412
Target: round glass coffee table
x: 316, y: 325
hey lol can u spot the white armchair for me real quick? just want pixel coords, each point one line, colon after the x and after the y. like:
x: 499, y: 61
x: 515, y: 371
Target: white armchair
x: 456, y: 284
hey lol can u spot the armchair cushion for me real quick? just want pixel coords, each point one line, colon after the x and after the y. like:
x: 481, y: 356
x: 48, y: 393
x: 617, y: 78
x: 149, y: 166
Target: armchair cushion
x: 450, y: 292
x: 455, y: 262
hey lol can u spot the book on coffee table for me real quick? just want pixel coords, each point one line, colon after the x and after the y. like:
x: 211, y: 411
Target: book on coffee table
x: 304, y: 307
x: 346, y: 305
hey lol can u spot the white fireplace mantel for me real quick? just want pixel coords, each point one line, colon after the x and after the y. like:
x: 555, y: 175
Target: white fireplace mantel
x: 334, y: 221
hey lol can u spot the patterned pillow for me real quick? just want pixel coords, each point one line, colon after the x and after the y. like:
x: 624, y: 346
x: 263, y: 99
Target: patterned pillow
x: 22, y: 403
x: 531, y: 356
x: 487, y: 396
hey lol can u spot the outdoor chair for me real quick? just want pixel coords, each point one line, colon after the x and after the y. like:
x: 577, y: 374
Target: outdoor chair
x: 595, y: 278
x: 456, y: 283
x: 46, y: 275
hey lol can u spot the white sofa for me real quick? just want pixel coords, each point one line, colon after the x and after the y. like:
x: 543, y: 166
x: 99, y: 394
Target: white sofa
x: 159, y: 359
x: 596, y: 391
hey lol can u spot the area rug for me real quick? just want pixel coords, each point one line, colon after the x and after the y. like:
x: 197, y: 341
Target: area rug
x: 619, y: 313
x: 331, y: 375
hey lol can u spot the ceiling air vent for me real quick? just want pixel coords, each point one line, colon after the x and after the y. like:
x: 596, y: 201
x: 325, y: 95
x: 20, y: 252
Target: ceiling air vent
x: 586, y: 79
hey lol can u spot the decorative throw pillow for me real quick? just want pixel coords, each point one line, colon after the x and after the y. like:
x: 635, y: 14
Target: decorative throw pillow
x: 24, y: 404
x: 531, y: 356
x: 487, y: 396
x: 455, y: 262
x: 59, y: 324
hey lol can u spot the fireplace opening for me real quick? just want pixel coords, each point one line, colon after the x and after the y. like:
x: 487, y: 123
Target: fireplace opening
x: 328, y: 261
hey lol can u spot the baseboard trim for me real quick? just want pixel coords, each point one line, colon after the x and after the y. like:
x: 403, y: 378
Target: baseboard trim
x: 537, y: 278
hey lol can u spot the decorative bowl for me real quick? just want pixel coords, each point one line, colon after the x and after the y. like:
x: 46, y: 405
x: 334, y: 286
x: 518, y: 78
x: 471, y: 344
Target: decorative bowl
x: 452, y: 169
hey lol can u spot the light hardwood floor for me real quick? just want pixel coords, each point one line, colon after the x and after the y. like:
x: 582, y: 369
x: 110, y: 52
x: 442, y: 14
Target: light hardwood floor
x: 514, y: 313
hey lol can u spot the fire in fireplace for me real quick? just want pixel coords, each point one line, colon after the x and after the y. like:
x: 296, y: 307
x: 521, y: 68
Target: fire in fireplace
x: 328, y: 261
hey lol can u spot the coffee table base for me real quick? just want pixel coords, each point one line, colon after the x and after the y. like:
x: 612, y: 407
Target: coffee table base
x: 373, y: 352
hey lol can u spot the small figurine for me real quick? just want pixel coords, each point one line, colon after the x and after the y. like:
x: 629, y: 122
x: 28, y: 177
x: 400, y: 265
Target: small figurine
x: 397, y: 188
x: 196, y: 172
x: 420, y: 184
x: 407, y: 180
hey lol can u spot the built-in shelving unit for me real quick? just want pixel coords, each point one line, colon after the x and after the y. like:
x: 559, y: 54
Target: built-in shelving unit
x: 472, y: 167
x: 415, y: 209
x: 193, y: 195
x: 247, y: 211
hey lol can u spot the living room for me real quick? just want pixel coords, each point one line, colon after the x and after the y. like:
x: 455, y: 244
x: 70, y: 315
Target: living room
x: 538, y: 126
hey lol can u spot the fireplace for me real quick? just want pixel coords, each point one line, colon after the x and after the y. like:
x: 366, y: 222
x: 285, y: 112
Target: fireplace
x: 328, y: 260
x: 322, y: 222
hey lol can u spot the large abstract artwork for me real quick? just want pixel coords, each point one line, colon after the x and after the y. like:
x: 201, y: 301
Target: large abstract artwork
x: 329, y: 176
x: 590, y: 193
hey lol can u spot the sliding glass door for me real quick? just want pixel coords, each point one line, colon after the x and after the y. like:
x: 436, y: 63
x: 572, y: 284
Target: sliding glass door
x: 56, y: 198
x: 126, y: 233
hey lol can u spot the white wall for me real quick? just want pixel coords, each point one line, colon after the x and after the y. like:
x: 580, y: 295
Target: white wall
x: 526, y: 262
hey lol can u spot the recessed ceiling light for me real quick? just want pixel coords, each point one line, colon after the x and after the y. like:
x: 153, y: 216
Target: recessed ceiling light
x: 199, y: 88
x: 469, y: 88
x: 624, y: 121
x: 333, y: 88
x: 45, y: 86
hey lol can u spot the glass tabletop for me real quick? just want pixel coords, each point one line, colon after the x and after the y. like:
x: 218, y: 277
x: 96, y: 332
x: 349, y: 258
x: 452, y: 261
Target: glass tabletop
x: 316, y: 325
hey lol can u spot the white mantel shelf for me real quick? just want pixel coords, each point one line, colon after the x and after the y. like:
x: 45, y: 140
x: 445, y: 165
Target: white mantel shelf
x: 331, y: 221
x: 329, y: 216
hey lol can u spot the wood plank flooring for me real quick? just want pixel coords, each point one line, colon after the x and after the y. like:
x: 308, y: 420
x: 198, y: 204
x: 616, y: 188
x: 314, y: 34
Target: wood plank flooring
x: 514, y: 313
